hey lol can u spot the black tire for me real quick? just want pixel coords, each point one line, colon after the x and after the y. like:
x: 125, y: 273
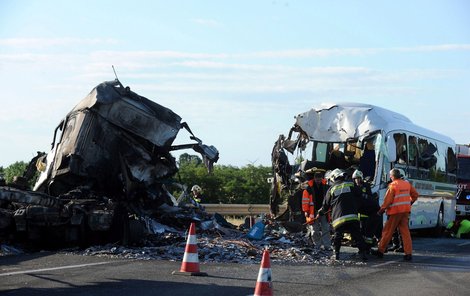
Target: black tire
x: 119, y: 231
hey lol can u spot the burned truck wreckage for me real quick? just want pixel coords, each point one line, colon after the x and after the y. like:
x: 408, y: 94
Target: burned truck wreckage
x: 109, y: 171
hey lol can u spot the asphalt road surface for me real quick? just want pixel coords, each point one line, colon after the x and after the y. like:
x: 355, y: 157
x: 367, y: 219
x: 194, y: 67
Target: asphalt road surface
x: 440, y: 266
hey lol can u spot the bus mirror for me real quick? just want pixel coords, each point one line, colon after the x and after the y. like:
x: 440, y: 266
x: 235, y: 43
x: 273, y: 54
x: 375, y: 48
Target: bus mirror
x: 391, y: 149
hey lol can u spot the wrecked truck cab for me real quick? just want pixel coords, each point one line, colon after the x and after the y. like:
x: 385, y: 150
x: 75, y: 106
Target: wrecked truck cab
x: 109, y: 169
x: 115, y: 136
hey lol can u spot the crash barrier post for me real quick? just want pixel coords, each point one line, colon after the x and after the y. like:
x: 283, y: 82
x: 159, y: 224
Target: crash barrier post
x: 264, y: 286
x: 250, y: 211
x: 190, y: 264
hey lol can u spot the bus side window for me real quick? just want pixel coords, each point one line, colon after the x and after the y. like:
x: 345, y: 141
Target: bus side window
x: 451, y: 161
x: 413, y: 157
x: 413, y: 144
x: 427, y: 159
x: 402, y: 157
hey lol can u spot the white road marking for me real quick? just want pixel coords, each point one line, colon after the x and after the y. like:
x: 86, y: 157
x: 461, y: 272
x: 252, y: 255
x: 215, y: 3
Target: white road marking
x: 53, y: 268
x: 386, y: 263
x: 463, y: 244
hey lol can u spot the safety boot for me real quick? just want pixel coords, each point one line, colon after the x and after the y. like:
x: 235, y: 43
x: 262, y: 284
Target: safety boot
x: 377, y: 253
x: 363, y: 255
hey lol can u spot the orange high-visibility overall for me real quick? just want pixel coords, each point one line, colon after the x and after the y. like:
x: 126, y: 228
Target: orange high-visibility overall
x: 397, y: 202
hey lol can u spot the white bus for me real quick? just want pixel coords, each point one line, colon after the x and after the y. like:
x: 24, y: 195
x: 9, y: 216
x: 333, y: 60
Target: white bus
x: 375, y: 140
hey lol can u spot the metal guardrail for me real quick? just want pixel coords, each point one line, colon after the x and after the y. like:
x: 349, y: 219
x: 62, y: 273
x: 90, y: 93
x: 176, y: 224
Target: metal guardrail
x: 240, y: 209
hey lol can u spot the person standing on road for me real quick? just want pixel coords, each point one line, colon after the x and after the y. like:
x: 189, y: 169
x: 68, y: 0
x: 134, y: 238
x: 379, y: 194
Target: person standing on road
x: 397, y: 204
x: 368, y: 207
x: 397, y: 243
x: 342, y: 199
x: 314, y: 195
x: 294, y: 201
x: 308, y: 207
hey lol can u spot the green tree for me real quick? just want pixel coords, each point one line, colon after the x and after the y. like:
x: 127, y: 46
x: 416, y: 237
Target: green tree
x: 2, y: 174
x: 186, y: 159
x: 227, y: 184
x: 15, y: 169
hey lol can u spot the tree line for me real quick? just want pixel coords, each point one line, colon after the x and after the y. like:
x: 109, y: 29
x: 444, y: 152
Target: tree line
x: 226, y: 184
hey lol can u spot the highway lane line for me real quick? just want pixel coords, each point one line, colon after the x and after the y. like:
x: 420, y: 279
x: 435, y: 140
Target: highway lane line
x: 463, y: 244
x: 386, y: 263
x: 53, y: 268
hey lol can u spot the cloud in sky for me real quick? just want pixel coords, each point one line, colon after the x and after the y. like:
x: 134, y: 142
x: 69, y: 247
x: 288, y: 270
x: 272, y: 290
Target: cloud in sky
x: 43, y: 43
x: 238, y: 73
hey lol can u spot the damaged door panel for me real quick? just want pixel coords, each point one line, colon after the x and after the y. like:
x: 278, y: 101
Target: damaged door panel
x: 110, y: 159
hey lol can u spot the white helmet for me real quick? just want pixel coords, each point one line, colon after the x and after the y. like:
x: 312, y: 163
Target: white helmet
x: 357, y: 174
x: 196, y: 188
x: 337, y: 173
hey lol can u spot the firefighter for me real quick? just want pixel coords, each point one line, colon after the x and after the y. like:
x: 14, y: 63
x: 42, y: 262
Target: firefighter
x: 368, y: 207
x: 397, y: 204
x: 342, y: 200
x: 312, y: 198
x: 197, y: 196
x: 459, y: 228
x: 294, y: 201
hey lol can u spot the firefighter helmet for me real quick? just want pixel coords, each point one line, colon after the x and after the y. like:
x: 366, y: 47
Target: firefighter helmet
x: 357, y: 174
x: 336, y: 174
x: 196, y: 188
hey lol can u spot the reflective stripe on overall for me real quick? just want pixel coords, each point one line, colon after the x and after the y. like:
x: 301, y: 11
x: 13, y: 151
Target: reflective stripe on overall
x: 307, y: 200
x: 402, y: 199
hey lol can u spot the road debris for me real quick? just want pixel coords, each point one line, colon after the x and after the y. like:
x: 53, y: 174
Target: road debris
x: 215, y: 246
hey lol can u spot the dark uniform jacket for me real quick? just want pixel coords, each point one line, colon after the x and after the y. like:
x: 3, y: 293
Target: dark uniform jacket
x: 368, y: 203
x: 342, y: 198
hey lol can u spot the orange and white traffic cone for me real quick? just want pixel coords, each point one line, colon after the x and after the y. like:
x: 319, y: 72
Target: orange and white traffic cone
x: 264, y: 286
x: 190, y: 265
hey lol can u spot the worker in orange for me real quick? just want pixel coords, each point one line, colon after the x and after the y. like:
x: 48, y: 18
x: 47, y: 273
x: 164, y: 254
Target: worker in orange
x: 397, y: 204
x: 308, y: 207
x: 312, y: 200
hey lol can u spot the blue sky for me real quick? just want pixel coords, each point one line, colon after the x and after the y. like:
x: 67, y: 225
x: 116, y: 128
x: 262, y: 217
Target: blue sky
x: 236, y: 71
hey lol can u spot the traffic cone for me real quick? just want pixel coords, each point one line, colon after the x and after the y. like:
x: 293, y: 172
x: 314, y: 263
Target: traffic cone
x: 264, y: 286
x: 190, y: 265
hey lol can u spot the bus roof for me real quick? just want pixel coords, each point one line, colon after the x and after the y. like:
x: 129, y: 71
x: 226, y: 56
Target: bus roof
x: 342, y: 121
